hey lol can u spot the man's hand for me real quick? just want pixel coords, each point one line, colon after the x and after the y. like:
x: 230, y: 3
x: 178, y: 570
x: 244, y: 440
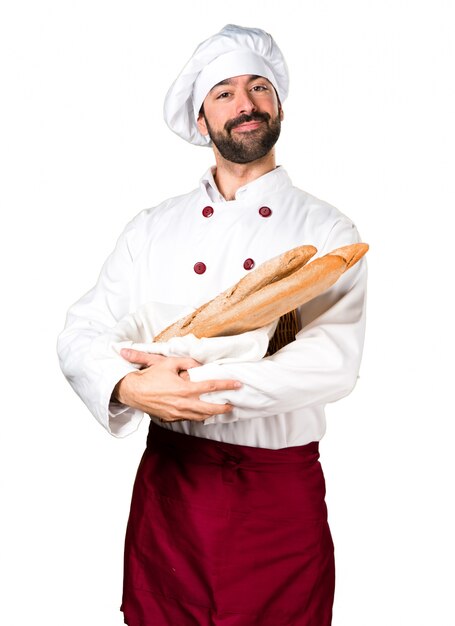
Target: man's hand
x: 163, y: 389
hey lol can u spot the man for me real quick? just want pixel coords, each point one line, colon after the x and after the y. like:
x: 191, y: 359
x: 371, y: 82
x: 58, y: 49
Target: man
x: 228, y: 523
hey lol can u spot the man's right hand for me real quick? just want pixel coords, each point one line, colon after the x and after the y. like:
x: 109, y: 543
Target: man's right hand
x: 163, y: 388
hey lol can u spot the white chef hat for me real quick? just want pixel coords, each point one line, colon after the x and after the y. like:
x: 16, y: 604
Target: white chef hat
x: 233, y: 51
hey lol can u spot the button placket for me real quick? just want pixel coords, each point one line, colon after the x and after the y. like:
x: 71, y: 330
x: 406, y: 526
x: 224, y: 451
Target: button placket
x: 249, y: 263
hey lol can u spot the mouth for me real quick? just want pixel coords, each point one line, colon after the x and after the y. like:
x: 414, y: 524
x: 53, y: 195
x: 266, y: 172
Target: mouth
x: 247, y: 123
x: 247, y: 126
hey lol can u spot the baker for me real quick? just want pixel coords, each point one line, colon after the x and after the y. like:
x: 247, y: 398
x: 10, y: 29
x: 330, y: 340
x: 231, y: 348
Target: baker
x: 228, y: 523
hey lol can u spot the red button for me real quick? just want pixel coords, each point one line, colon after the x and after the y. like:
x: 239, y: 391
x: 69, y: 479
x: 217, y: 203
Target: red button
x: 199, y: 267
x: 249, y: 264
x: 207, y: 211
x: 265, y: 211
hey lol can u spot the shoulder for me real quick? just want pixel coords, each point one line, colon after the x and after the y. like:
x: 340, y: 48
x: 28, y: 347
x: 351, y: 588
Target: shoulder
x: 318, y: 209
x: 167, y: 207
x: 148, y: 221
x: 323, y: 222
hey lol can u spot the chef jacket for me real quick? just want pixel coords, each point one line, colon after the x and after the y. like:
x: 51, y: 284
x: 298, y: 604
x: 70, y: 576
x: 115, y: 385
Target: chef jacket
x: 185, y: 252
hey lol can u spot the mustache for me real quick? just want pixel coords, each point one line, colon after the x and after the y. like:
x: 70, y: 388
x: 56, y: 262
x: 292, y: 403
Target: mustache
x: 257, y: 116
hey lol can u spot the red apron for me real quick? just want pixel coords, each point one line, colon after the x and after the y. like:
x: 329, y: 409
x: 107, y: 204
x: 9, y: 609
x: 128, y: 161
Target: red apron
x: 227, y: 535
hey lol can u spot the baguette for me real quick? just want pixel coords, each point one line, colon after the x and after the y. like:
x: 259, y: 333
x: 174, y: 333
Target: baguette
x: 276, y: 287
x: 352, y: 253
x: 271, y: 270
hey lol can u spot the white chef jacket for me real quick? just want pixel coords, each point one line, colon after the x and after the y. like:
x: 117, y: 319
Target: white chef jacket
x: 180, y: 254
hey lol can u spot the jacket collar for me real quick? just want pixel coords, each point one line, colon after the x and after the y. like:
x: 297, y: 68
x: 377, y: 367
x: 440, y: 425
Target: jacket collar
x: 273, y: 181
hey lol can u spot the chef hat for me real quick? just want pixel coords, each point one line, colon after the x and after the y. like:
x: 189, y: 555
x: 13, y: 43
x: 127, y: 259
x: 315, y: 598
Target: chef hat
x: 233, y: 51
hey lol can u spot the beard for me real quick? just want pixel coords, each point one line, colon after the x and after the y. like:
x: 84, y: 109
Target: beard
x: 248, y: 146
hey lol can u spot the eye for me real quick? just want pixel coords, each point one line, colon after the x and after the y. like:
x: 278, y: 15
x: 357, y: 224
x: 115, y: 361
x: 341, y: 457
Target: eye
x: 223, y: 95
x: 259, y: 88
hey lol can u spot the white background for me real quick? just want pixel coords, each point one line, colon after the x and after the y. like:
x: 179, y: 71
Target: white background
x: 369, y: 128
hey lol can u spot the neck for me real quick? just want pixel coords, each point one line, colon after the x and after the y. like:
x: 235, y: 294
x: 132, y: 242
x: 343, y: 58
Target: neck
x: 231, y: 176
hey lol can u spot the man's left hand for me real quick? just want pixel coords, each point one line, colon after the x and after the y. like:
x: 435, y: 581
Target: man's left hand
x: 146, y: 359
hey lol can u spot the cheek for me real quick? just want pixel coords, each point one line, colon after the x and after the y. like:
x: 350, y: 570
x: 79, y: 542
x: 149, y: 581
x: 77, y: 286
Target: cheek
x: 215, y: 122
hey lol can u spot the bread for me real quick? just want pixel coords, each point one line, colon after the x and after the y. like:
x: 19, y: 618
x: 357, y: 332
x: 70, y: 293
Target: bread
x: 352, y: 253
x: 268, y: 292
x: 269, y: 271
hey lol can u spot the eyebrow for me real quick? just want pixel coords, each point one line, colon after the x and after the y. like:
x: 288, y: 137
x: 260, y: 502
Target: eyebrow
x: 228, y: 81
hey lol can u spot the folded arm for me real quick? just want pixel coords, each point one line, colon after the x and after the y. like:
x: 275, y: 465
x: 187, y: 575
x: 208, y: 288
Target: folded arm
x: 320, y: 366
x: 323, y: 362
x: 114, y: 390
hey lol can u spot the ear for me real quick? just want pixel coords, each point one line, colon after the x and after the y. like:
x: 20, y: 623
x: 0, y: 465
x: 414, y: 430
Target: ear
x: 201, y: 125
x: 281, y: 112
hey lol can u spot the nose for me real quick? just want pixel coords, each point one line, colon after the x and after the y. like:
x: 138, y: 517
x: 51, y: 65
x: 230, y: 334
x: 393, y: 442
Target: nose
x: 244, y: 102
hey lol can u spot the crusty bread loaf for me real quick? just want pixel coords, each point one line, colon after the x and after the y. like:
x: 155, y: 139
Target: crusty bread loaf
x: 352, y: 253
x: 274, y: 300
x: 269, y: 271
x: 268, y: 292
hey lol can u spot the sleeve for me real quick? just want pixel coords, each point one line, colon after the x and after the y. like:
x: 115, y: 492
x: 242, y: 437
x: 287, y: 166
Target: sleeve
x: 319, y: 367
x: 85, y: 345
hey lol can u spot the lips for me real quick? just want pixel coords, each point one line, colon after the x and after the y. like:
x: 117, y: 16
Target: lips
x: 247, y: 126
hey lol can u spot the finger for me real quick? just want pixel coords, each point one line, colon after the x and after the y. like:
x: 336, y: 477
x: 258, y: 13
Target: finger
x: 199, y: 411
x: 207, y: 386
x: 163, y: 420
x: 202, y: 410
x: 181, y: 363
x: 140, y: 358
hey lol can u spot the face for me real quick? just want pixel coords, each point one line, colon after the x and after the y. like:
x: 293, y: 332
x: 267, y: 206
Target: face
x: 242, y: 117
